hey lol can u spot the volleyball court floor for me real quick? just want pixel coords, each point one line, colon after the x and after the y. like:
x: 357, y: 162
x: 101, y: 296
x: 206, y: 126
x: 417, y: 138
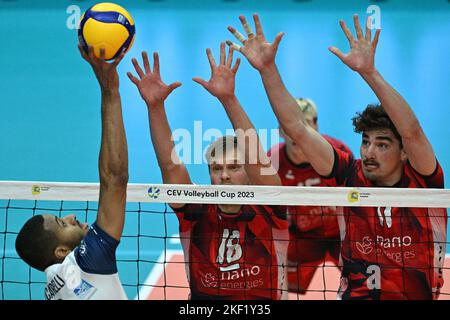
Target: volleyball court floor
x: 167, y: 281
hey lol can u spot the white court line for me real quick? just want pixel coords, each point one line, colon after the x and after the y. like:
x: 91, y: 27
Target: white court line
x: 156, y: 273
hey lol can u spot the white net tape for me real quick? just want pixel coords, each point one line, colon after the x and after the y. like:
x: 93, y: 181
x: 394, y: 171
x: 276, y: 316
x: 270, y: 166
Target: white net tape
x: 269, y: 195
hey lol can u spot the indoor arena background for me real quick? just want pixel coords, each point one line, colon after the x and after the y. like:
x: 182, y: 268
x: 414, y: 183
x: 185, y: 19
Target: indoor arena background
x: 50, y: 99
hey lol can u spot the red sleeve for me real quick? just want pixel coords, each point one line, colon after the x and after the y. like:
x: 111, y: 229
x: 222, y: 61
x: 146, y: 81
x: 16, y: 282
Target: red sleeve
x: 434, y: 180
x: 343, y: 162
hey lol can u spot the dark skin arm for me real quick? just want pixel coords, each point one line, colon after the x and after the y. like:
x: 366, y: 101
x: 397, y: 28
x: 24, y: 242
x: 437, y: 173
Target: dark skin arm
x: 113, y: 158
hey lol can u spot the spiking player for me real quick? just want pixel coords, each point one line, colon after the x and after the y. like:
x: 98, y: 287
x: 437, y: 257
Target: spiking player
x: 387, y: 253
x: 232, y: 251
x: 313, y: 230
x: 80, y: 261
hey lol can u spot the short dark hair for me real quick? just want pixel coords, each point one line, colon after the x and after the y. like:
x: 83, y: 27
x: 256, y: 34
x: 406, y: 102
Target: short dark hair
x: 36, y: 245
x: 374, y: 117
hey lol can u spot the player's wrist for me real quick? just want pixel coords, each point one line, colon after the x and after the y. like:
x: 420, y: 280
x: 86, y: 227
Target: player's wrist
x: 268, y: 69
x: 110, y: 92
x: 228, y: 100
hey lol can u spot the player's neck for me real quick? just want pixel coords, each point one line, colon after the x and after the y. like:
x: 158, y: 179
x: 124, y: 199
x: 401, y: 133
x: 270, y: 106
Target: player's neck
x: 230, y: 208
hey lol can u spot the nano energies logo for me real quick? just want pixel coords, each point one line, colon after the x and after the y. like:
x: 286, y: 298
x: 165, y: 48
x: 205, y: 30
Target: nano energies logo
x: 153, y: 192
x: 365, y: 247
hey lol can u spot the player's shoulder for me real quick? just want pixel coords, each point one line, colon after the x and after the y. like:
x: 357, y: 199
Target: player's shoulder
x: 415, y: 179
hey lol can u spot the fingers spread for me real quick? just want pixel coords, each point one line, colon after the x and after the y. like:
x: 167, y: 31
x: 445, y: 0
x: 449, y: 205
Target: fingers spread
x: 102, y: 53
x: 119, y: 58
x: 233, y: 45
x: 200, y: 81
x: 375, y: 38
x: 236, y: 65
x: 277, y: 40
x: 174, y: 85
x: 368, y: 28
x: 337, y: 52
x: 258, y: 26
x: 222, y: 53
x: 347, y: 32
x: 237, y: 34
x: 357, y: 27
x: 246, y: 26
x: 212, y: 63
x: 145, y: 61
x: 230, y: 57
x: 83, y: 53
x: 137, y: 68
x: 156, y: 68
x: 133, y: 78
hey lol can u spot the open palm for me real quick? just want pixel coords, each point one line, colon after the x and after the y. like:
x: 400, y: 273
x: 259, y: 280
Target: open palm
x: 151, y: 87
x: 222, y: 81
x: 361, y: 57
x: 258, y: 51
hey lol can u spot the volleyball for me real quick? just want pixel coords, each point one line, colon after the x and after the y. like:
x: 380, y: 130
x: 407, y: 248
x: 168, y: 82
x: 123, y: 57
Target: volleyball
x: 108, y: 26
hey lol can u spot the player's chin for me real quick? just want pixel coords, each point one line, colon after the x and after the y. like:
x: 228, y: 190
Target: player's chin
x: 370, y: 174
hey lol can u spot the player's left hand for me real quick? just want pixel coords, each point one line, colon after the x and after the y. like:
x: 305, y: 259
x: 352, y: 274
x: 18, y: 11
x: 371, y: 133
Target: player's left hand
x: 105, y: 72
x: 222, y: 81
x: 258, y: 51
x: 361, y: 57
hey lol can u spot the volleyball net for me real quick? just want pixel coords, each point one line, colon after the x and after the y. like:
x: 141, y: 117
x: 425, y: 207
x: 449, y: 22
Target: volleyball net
x: 150, y: 258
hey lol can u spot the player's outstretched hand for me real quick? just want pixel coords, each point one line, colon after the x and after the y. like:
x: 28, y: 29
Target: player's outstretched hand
x: 258, y: 51
x: 222, y: 81
x: 152, y: 89
x: 105, y: 72
x: 361, y: 57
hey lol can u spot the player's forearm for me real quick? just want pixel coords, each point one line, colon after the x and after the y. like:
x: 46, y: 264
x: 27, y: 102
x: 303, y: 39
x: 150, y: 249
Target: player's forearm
x: 113, y: 160
x: 258, y: 164
x: 317, y: 150
x: 283, y: 104
x: 394, y: 104
x: 161, y: 136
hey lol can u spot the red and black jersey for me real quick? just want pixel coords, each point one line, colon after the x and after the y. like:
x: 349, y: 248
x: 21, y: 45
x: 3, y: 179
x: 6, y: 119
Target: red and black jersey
x: 307, y: 221
x: 239, y: 256
x: 390, y: 253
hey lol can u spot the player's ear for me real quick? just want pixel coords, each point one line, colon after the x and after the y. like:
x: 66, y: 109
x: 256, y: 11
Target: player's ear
x: 403, y: 155
x: 61, y: 252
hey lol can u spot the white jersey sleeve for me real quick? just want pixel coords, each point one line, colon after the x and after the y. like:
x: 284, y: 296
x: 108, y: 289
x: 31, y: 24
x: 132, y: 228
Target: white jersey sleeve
x: 88, y: 273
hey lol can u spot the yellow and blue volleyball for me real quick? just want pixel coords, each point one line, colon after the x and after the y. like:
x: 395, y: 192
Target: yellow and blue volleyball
x: 106, y: 25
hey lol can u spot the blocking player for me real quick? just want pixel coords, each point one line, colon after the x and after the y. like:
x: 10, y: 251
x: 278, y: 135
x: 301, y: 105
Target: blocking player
x: 313, y: 230
x: 232, y: 251
x: 387, y: 253
x: 80, y: 261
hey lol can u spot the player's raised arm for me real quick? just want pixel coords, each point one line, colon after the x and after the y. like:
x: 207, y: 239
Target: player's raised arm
x: 154, y: 92
x: 261, y: 55
x: 361, y: 59
x: 113, y: 159
x: 222, y: 86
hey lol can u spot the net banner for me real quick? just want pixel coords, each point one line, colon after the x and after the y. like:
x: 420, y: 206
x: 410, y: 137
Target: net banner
x: 227, y: 194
